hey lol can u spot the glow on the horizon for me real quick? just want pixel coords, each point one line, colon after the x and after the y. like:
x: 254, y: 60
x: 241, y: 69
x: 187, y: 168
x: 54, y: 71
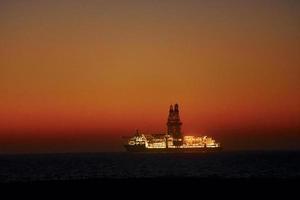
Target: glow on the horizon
x: 69, y: 66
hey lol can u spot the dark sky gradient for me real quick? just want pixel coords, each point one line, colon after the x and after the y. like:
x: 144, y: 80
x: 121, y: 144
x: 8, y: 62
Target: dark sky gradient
x: 77, y: 75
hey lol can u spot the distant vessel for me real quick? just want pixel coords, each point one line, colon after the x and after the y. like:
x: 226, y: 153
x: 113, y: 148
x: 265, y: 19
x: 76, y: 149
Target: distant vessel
x: 172, y: 141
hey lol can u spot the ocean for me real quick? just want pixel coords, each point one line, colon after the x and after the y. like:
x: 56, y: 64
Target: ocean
x: 85, y: 166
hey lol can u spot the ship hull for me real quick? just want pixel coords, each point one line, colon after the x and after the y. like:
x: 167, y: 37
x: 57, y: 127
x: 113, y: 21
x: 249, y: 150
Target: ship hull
x: 143, y: 149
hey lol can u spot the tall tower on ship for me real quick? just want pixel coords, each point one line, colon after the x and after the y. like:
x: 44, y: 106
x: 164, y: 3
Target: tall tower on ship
x: 174, y: 125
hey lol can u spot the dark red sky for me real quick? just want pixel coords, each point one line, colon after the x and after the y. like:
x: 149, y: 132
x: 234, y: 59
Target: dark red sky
x: 76, y: 75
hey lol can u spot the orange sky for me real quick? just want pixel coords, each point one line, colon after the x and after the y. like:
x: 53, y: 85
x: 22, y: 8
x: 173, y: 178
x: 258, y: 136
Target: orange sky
x: 106, y: 68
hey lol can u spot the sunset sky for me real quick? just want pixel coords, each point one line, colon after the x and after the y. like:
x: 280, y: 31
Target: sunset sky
x: 77, y: 75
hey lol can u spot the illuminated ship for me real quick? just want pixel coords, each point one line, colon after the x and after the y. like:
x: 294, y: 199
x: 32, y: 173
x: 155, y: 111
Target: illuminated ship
x: 171, y: 141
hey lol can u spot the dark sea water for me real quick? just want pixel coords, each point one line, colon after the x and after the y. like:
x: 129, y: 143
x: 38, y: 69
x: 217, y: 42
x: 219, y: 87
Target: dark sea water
x: 255, y: 164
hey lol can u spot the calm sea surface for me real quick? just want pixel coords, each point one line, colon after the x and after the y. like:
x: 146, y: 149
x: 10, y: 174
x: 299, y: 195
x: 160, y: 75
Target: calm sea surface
x: 256, y: 164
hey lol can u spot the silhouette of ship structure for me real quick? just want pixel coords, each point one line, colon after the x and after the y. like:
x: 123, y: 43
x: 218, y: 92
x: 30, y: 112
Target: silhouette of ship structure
x: 171, y: 141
